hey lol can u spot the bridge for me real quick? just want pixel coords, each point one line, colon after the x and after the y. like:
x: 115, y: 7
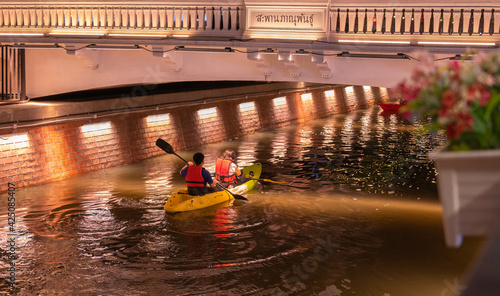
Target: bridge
x: 52, y: 47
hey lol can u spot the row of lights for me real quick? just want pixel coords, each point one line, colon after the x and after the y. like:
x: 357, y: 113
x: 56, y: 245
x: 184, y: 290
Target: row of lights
x: 21, y: 140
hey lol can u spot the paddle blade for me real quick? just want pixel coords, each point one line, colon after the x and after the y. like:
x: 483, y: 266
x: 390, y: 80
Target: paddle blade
x: 240, y: 197
x: 164, y: 146
x: 236, y: 196
x: 277, y: 182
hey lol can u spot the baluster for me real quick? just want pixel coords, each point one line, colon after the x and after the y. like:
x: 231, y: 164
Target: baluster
x: 451, y: 23
x: 151, y: 18
x: 166, y: 18
x: 412, y: 22
x: 182, y: 18
x: 393, y: 21
x: 422, y: 20
x: 174, y: 18
x: 221, y: 19
x: 13, y: 17
x: 237, y: 18
x: 63, y: 16
x: 87, y: 17
x: 471, y: 22
x: 42, y: 18
x: 440, y: 28
x: 481, y: 23
x: 356, y: 22
x: 197, y: 19
x: 461, y: 22
x: 365, y: 22
x: 431, y: 24
x: 205, y: 18
x: 374, y: 24
x: 136, y: 19
x: 158, y: 18
x: 337, y: 26
x: 120, y: 17
x: 403, y: 23
x: 49, y: 17
x: 346, y: 28
x: 189, y: 18
x: 383, y: 23
x: 213, y: 18
x: 23, y: 20
x: 492, y: 22
x: 9, y: 16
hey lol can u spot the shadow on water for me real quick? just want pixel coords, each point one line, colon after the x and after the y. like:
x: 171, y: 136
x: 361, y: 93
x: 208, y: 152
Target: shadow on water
x: 361, y: 217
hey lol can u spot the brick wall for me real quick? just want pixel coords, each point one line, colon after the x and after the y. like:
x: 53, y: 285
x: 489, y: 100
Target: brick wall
x: 31, y: 156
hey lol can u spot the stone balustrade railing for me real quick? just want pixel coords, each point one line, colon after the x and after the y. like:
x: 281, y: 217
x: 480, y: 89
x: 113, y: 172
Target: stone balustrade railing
x: 230, y: 20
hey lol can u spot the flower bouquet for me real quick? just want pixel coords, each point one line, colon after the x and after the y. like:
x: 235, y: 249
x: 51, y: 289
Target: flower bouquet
x: 461, y: 97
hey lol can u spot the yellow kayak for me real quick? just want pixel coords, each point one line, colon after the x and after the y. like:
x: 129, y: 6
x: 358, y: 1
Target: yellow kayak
x: 182, y: 201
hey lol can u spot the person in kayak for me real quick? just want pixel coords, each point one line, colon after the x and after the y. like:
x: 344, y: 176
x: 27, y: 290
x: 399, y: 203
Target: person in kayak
x: 198, y: 179
x: 226, y: 170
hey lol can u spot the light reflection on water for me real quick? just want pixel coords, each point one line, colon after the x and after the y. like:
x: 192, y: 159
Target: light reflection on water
x: 335, y: 231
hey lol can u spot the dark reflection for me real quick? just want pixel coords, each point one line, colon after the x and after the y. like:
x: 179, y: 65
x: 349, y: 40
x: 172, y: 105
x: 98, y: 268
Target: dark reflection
x: 329, y: 231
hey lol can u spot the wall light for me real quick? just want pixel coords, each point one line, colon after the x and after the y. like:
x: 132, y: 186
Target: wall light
x: 31, y: 103
x: 77, y: 33
x: 367, y: 87
x: 375, y: 41
x: 305, y: 37
x: 207, y: 113
x: 349, y: 89
x: 19, y: 141
x: 180, y: 36
x: 457, y: 43
x: 330, y: 94
x: 249, y: 106
x: 21, y: 34
x: 279, y: 101
x: 306, y: 97
x: 96, y: 129
x: 137, y: 35
x: 158, y: 119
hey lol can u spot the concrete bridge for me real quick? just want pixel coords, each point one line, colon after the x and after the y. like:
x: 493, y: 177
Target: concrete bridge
x: 52, y: 47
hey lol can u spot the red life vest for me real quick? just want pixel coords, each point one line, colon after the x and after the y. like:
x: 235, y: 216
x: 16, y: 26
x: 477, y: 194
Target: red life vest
x: 194, y: 178
x: 222, y: 171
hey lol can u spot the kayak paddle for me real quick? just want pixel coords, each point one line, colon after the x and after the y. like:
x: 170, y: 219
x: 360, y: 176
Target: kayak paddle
x: 170, y: 150
x: 271, y: 181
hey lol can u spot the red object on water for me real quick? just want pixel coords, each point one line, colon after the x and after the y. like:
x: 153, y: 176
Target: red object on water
x: 390, y: 107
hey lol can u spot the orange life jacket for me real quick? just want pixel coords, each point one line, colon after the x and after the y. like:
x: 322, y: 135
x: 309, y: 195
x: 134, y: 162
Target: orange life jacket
x: 194, y: 178
x: 222, y: 171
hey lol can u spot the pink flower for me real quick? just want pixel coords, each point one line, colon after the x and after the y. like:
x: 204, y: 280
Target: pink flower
x: 409, y: 92
x: 463, y: 122
x: 478, y: 91
x: 449, y: 99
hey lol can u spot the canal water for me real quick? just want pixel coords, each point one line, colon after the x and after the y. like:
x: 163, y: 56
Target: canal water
x: 359, y: 215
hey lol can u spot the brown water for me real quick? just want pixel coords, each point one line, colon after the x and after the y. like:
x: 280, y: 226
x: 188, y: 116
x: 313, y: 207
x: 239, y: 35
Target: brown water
x: 361, y: 217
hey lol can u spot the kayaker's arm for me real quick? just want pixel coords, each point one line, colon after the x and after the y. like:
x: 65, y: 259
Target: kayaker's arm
x: 237, y: 172
x: 188, y: 164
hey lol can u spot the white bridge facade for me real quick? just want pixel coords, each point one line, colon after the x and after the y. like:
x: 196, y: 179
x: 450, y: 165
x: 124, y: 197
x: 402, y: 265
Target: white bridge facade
x: 52, y: 47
